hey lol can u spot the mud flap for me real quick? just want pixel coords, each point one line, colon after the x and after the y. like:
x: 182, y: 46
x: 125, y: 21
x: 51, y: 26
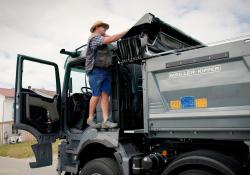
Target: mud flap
x: 43, y: 155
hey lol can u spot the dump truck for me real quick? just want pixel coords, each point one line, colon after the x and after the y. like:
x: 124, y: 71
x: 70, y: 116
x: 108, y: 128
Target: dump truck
x: 183, y: 107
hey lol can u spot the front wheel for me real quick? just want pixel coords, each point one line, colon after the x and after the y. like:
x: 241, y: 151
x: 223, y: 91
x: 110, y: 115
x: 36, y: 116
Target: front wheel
x: 101, y: 166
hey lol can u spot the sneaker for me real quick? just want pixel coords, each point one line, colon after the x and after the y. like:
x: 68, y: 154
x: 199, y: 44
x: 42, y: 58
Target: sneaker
x: 93, y: 124
x: 108, y: 124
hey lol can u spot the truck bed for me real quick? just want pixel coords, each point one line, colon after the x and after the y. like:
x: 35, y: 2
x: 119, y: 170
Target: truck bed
x: 201, y: 93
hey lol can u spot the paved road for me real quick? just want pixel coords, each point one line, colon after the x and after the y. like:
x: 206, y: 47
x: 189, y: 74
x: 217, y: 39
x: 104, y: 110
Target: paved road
x: 11, y: 166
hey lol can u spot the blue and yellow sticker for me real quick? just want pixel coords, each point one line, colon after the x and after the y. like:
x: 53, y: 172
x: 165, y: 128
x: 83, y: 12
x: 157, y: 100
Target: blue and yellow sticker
x: 188, y: 102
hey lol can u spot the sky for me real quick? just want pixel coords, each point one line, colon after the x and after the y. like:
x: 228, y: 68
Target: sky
x: 40, y: 28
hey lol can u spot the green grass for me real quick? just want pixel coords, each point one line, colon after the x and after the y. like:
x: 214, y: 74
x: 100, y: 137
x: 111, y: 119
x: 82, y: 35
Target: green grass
x: 22, y: 150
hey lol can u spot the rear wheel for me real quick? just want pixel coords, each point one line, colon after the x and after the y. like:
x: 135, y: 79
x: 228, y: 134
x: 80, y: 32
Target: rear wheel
x: 206, y: 161
x: 101, y: 166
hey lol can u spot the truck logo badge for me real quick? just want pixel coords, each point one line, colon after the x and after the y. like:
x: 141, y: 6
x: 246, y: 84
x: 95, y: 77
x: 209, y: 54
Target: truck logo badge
x: 196, y: 71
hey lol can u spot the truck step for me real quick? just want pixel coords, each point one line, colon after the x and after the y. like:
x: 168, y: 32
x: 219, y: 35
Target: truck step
x: 71, y: 168
x: 71, y: 151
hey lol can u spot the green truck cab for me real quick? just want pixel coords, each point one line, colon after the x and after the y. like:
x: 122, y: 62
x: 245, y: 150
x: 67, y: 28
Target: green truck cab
x: 183, y: 108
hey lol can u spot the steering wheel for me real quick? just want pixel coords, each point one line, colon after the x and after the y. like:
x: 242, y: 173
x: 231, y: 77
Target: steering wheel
x: 85, y: 89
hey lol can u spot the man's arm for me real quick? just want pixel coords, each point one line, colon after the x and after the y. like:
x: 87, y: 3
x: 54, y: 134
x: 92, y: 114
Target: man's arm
x: 113, y: 38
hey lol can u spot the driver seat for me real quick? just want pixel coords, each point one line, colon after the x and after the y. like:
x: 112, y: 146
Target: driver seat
x: 79, y: 109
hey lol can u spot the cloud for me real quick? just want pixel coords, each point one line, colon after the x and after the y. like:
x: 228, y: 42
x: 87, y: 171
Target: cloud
x: 41, y: 28
x: 205, y: 20
x: 210, y: 22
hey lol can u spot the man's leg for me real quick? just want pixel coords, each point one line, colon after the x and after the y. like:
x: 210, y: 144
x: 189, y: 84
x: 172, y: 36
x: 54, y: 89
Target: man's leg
x: 105, y: 91
x: 92, y: 106
x: 105, y: 111
x: 105, y: 105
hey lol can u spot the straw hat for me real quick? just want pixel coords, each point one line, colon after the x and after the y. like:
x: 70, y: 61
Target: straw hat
x: 97, y: 24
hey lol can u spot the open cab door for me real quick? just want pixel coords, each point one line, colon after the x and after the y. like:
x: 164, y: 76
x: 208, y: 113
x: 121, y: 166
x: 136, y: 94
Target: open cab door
x: 37, y: 110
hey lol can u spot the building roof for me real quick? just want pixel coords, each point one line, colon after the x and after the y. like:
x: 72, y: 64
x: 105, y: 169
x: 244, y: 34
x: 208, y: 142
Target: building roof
x: 44, y: 91
x: 11, y: 92
x: 7, y: 92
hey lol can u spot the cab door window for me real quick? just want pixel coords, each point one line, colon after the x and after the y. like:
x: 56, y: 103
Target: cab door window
x: 79, y: 95
x: 78, y: 80
x: 39, y: 92
x: 39, y: 78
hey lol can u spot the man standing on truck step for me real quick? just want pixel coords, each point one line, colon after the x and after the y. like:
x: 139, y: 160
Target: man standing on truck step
x: 98, y: 61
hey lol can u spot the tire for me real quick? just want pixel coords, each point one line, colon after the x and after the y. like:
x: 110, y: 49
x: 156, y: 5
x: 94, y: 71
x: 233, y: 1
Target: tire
x: 219, y: 163
x: 197, y: 172
x: 101, y: 166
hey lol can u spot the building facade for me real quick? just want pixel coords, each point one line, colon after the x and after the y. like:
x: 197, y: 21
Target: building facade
x: 7, y: 114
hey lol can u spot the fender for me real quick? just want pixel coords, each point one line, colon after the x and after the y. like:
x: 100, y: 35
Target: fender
x: 109, y: 139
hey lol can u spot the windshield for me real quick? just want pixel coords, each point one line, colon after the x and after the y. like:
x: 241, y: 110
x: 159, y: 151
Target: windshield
x: 78, y: 80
